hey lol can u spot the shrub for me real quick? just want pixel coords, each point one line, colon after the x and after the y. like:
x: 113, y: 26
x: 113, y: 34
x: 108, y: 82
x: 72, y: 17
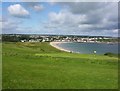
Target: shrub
x: 110, y: 54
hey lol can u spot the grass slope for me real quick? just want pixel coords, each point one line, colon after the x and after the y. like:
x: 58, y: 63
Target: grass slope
x: 39, y: 65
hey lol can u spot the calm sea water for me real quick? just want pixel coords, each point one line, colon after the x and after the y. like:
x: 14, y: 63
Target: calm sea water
x: 88, y: 48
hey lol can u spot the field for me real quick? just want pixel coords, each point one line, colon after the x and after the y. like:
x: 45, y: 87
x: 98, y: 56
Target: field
x: 40, y: 66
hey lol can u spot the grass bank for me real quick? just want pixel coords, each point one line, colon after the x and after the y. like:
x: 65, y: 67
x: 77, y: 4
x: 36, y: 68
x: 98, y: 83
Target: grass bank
x: 41, y: 66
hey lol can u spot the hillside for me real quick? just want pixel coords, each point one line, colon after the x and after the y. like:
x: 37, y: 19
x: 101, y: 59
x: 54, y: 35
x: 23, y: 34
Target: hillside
x: 40, y: 66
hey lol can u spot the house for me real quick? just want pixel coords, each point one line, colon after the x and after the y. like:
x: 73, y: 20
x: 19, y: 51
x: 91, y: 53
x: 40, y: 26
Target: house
x: 23, y: 40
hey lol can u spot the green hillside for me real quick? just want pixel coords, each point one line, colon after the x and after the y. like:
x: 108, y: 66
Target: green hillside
x: 41, y: 66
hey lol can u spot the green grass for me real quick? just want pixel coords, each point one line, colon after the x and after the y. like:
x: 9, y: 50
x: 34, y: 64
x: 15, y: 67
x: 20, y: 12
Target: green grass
x: 40, y: 66
x: 0, y: 66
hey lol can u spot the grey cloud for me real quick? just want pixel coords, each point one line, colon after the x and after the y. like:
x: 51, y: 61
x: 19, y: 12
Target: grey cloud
x: 88, y: 18
x: 9, y: 26
x: 83, y: 7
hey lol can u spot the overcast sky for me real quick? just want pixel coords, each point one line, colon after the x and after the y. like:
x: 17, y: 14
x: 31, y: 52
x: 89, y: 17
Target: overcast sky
x: 72, y: 18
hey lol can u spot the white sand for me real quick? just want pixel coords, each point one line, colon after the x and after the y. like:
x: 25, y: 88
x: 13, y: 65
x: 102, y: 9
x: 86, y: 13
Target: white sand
x: 55, y: 44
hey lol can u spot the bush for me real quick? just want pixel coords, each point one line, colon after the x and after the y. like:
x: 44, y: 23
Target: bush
x: 110, y: 54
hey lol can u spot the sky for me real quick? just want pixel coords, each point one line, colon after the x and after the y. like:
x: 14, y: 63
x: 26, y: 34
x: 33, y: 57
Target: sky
x: 60, y: 18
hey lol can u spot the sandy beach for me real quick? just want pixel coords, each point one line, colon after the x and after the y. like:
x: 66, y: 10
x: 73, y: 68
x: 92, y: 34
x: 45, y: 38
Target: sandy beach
x: 55, y: 44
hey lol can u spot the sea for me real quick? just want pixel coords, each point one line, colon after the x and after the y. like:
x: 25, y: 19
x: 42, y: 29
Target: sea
x: 90, y: 48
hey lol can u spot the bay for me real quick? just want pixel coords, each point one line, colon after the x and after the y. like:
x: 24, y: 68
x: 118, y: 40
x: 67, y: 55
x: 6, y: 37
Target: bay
x: 89, y: 48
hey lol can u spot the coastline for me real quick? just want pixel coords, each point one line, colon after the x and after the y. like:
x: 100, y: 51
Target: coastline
x: 55, y: 45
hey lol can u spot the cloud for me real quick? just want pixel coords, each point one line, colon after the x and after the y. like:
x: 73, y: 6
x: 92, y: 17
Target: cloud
x: 38, y: 7
x: 52, y: 2
x: 115, y: 31
x: 66, y: 17
x: 85, y: 7
x: 10, y: 26
x: 18, y: 11
x: 98, y: 18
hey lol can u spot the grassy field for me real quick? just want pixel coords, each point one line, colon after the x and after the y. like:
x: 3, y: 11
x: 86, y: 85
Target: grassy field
x: 0, y: 65
x: 40, y: 66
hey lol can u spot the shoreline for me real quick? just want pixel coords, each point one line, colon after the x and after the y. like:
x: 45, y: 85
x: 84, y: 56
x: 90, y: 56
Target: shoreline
x: 55, y: 45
